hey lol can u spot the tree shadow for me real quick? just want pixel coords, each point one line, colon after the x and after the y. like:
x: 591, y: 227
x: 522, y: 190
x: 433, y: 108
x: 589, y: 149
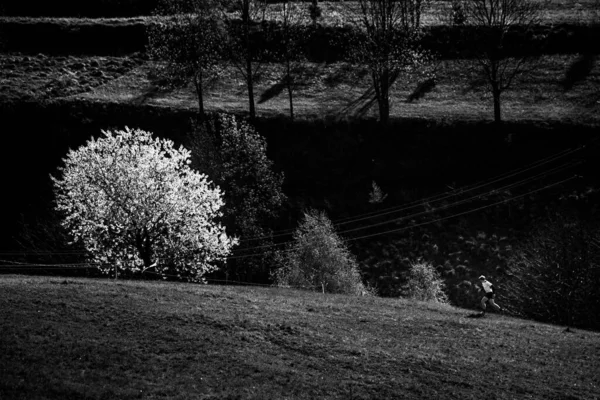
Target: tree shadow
x: 473, y: 85
x: 152, y: 92
x: 341, y: 75
x: 360, y: 106
x: 578, y: 71
x: 421, y: 90
x: 272, y: 92
x: 301, y: 75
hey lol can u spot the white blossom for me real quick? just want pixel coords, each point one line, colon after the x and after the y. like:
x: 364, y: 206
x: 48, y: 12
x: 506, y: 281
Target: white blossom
x: 133, y: 201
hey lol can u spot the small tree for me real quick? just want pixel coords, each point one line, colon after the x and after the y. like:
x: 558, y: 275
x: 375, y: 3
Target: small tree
x: 186, y: 40
x: 553, y: 275
x: 242, y: 48
x: 290, y: 53
x: 424, y: 283
x: 387, y: 44
x: 134, y: 203
x: 234, y: 155
x: 319, y: 258
x: 498, y: 61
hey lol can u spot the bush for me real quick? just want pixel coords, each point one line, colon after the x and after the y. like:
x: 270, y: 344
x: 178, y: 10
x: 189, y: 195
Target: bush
x: 425, y: 284
x: 554, y: 273
x: 319, y: 259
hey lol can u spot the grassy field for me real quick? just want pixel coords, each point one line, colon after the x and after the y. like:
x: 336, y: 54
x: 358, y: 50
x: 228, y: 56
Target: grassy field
x: 340, y: 12
x: 97, y: 339
x: 328, y: 90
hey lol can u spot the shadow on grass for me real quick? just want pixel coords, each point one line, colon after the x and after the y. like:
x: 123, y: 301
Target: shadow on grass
x: 578, y: 71
x: 150, y: 93
x: 360, y: 106
x: 300, y: 74
x: 475, y: 315
x: 271, y: 92
x: 421, y: 90
x: 344, y: 74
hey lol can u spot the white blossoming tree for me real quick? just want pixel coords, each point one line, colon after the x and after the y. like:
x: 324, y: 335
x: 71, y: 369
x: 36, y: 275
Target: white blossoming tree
x: 134, y: 203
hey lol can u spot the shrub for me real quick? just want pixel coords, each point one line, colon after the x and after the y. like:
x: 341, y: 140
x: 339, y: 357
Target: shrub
x: 319, y: 259
x: 554, y: 273
x: 234, y: 155
x: 425, y: 284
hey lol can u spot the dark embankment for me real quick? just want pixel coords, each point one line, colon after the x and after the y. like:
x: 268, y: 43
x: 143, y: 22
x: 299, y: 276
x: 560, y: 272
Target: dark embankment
x: 328, y: 164
x: 324, y: 44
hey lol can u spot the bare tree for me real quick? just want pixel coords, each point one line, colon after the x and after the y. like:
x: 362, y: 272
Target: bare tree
x: 315, y: 11
x: 494, y: 56
x: 245, y: 54
x: 290, y: 53
x: 387, y: 43
x: 186, y: 42
x: 580, y: 70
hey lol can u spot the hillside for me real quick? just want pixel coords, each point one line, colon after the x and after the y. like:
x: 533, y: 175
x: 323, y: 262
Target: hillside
x: 99, y: 339
x: 338, y: 90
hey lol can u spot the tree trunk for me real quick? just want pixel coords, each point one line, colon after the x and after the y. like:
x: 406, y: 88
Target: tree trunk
x: 199, y: 94
x: 250, y: 85
x: 384, y: 104
x: 497, y: 110
x: 384, y: 111
x: 249, y: 75
x: 288, y: 80
x: 381, y: 94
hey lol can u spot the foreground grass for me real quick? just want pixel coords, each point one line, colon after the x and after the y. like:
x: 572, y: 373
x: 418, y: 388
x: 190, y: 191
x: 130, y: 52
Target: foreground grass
x: 96, y: 339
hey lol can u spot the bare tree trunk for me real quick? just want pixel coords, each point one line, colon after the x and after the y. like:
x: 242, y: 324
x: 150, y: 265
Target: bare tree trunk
x: 250, y: 85
x: 382, y: 86
x: 384, y: 109
x: 199, y: 94
x: 288, y: 80
x: 497, y: 109
x: 249, y: 76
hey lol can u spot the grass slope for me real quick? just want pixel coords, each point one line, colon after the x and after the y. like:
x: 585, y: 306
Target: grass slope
x: 335, y: 90
x: 96, y: 339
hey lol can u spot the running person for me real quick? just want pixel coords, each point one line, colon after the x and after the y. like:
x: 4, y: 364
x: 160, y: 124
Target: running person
x: 488, y: 288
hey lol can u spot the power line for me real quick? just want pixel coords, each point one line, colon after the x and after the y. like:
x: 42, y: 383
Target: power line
x: 428, y: 222
x: 446, y: 206
x: 433, y: 210
x: 466, y: 212
x: 436, y: 197
x: 28, y: 266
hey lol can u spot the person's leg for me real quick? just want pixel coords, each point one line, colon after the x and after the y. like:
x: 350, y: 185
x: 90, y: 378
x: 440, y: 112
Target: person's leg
x: 496, y: 306
x: 483, y: 301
